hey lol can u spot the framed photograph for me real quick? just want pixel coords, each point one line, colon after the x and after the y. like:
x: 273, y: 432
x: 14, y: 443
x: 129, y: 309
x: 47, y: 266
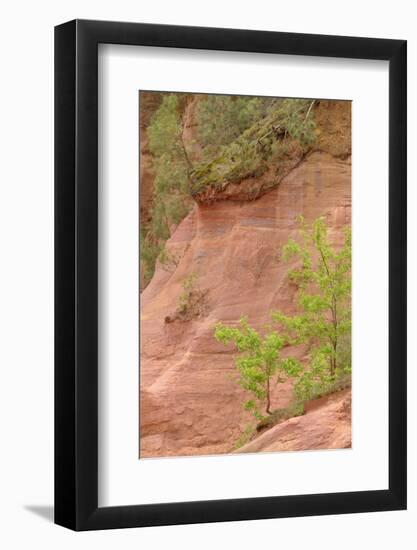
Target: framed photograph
x: 230, y: 284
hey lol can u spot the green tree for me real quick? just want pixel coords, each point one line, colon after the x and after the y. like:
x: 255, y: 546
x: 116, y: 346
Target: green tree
x: 172, y: 164
x: 258, y: 361
x: 323, y: 279
x: 171, y: 197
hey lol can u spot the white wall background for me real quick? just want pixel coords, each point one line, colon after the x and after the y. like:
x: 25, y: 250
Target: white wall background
x: 26, y: 285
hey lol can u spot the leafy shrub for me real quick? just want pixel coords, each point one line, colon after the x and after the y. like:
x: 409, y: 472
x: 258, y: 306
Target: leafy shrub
x: 188, y: 291
x: 191, y: 302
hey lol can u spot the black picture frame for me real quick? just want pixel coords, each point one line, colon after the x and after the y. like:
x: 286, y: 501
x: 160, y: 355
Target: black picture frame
x: 76, y: 273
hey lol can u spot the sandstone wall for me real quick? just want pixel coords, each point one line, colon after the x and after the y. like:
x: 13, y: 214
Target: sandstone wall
x: 189, y: 401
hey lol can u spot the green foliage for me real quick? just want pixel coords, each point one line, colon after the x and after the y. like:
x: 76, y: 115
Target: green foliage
x: 171, y: 200
x: 323, y: 279
x: 258, y: 361
x: 272, y: 121
x: 340, y: 382
x: 149, y: 252
x: 189, y: 286
x: 301, y: 127
x: 191, y: 302
x: 222, y: 119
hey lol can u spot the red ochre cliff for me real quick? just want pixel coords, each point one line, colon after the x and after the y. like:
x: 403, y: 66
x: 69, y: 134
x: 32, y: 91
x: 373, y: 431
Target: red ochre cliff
x: 189, y: 400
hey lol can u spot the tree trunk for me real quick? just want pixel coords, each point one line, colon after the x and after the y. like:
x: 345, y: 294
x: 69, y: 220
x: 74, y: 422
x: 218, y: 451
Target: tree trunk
x: 332, y: 366
x: 334, y: 340
x: 334, y: 358
x: 268, y: 398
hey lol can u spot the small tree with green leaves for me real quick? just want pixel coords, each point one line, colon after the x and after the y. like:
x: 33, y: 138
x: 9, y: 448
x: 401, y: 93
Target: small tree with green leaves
x: 258, y: 362
x: 323, y: 279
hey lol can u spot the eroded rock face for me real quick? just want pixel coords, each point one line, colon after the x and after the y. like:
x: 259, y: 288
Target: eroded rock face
x: 327, y: 425
x: 189, y: 400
